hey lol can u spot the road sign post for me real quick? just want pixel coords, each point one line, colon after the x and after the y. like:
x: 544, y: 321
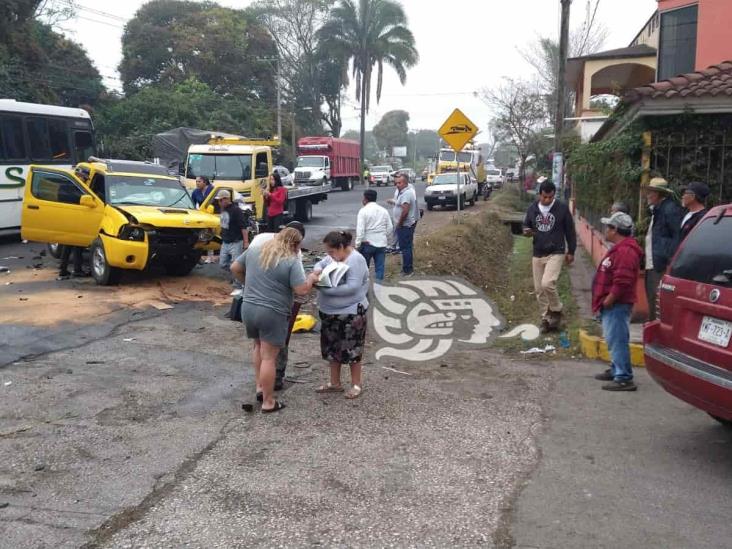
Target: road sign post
x: 457, y: 131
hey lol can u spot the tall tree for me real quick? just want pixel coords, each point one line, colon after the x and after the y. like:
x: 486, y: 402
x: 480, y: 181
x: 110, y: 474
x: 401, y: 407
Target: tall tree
x: 391, y: 131
x: 38, y: 64
x: 520, y: 114
x: 293, y: 25
x: 371, y: 34
x: 333, y: 79
x: 171, y: 41
x: 126, y: 125
x: 428, y: 143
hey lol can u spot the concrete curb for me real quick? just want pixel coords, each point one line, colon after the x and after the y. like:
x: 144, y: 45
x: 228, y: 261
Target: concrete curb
x: 596, y: 348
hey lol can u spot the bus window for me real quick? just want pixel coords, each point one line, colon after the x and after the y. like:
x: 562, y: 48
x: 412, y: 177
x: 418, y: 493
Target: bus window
x: 83, y: 146
x: 58, y: 138
x: 38, y: 138
x: 11, y: 128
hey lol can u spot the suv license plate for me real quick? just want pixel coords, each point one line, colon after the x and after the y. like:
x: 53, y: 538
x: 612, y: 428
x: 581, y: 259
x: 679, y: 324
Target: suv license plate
x: 717, y: 332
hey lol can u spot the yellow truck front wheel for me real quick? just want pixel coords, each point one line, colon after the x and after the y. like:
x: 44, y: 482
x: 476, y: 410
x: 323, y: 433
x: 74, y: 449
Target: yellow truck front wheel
x: 104, y: 274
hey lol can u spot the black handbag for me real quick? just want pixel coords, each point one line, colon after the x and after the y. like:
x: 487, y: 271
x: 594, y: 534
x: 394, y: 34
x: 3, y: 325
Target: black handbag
x: 235, y: 310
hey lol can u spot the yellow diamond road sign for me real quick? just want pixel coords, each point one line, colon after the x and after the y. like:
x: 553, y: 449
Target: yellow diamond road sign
x: 458, y: 130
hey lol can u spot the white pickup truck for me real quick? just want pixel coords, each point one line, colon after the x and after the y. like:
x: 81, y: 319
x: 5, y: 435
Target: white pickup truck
x: 381, y: 175
x: 444, y: 191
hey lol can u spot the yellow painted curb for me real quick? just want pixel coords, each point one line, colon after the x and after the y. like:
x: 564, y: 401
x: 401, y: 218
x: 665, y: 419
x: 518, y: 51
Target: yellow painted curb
x: 590, y: 345
x: 596, y: 348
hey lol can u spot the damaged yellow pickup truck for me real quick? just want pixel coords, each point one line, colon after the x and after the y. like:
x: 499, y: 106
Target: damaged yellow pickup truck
x: 131, y: 215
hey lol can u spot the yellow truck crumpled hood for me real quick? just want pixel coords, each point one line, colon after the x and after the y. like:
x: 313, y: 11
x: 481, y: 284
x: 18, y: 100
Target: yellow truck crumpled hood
x: 171, y: 217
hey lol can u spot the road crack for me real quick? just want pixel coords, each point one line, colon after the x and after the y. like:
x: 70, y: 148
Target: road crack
x: 124, y: 518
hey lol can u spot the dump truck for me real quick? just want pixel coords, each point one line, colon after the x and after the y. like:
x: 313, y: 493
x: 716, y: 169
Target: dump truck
x: 327, y: 160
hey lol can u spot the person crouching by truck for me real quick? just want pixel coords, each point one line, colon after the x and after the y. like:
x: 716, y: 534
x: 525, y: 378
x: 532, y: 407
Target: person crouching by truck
x: 234, y: 233
x: 276, y: 198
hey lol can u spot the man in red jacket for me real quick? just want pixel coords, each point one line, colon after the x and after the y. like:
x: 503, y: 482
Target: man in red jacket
x: 613, y: 296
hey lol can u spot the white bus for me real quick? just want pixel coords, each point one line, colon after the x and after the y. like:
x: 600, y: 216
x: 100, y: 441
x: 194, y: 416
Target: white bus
x: 37, y: 134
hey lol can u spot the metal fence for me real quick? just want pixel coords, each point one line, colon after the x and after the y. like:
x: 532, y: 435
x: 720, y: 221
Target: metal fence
x: 696, y: 155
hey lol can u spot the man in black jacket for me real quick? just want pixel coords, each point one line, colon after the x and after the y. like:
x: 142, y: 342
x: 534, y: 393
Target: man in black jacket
x: 550, y: 223
x: 662, y: 237
x: 693, y: 199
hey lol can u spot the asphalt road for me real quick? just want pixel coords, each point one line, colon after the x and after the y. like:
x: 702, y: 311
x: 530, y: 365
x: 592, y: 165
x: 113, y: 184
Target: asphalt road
x: 121, y: 426
x: 340, y: 210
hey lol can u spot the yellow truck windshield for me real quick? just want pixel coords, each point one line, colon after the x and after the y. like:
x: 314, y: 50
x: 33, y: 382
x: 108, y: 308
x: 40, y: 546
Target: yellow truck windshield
x: 146, y: 191
x: 220, y: 167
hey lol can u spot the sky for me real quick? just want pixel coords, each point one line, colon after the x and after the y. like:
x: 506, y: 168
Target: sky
x: 464, y: 46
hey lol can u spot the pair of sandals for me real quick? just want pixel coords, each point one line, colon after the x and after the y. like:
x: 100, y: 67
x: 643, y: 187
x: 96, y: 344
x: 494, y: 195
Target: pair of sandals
x: 354, y: 392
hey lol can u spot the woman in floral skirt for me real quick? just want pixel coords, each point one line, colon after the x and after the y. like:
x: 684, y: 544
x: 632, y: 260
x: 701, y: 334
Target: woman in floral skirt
x: 343, y: 311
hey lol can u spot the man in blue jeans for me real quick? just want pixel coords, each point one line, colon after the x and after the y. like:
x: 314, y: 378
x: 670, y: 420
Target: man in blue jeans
x: 373, y: 227
x: 406, y: 215
x: 613, y: 296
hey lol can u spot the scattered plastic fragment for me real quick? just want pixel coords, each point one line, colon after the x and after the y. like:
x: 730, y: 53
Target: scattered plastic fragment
x: 528, y: 332
x: 8, y: 383
x: 128, y: 339
x: 397, y: 371
x: 538, y: 350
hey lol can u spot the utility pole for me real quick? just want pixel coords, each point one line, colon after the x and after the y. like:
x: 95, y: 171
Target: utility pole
x: 279, y: 102
x: 559, y: 121
x: 563, y: 47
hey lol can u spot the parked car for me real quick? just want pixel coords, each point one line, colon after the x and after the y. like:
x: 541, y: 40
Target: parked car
x: 687, y: 350
x: 511, y: 174
x: 381, y: 175
x: 288, y: 178
x: 444, y: 191
x: 494, y: 178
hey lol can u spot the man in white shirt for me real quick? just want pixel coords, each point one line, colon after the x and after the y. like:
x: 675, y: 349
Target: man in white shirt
x: 373, y: 227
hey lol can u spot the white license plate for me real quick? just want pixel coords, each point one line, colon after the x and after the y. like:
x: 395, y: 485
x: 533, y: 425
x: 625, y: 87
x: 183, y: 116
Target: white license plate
x: 715, y: 331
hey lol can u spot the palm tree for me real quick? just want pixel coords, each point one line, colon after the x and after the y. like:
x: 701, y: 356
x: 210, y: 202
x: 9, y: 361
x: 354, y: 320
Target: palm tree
x: 371, y: 34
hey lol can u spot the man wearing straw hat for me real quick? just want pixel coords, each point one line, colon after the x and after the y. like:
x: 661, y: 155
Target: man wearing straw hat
x: 662, y: 237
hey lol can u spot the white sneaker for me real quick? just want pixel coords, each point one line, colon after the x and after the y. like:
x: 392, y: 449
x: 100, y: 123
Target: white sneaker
x: 236, y: 292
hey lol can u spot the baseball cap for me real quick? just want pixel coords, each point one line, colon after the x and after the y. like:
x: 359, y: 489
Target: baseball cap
x: 297, y: 226
x: 618, y: 220
x: 700, y: 190
x: 223, y: 193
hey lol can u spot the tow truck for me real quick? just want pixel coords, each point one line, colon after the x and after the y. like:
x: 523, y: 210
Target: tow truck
x: 242, y: 165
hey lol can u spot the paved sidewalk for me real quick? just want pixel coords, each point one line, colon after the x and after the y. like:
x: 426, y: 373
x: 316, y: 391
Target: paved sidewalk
x: 625, y: 470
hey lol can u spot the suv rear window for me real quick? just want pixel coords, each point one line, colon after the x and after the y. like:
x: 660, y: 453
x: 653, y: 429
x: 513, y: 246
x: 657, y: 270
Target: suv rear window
x: 704, y: 254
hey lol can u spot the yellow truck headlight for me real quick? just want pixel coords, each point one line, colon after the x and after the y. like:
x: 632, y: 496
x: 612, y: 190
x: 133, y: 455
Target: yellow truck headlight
x: 205, y: 235
x: 132, y: 232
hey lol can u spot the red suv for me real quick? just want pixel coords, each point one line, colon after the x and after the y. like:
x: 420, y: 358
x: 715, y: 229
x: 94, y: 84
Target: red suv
x: 687, y: 349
